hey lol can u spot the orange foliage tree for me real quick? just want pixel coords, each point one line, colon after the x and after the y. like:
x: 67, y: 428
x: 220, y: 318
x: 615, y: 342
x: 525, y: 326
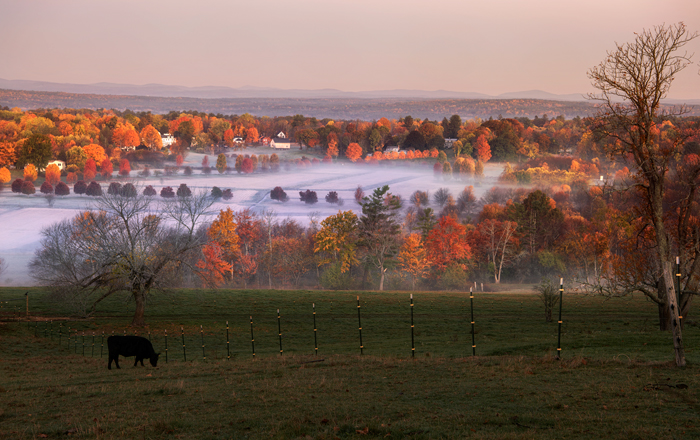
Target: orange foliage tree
x: 53, y: 174
x: 483, y: 149
x: 30, y: 173
x: 125, y: 136
x: 446, y: 245
x: 151, y: 138
x: 354, y: 151
x: 95, y: 152
x: 412, y: 258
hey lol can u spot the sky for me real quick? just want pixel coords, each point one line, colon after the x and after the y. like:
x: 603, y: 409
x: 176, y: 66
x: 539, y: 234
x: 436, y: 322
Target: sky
x: 491, y: 47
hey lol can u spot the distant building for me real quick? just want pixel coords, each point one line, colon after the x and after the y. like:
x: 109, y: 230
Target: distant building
x: 449, y: 142
x: 280, y: 143
x: 167, y: 139
x: 281, y: 135
x: 59, y: 163
x: 391, y: 149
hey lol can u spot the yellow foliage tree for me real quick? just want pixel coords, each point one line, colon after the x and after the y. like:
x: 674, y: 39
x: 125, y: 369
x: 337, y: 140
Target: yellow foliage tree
x: 5, y: 176
x: 53, y: 174
x: 337, y: 239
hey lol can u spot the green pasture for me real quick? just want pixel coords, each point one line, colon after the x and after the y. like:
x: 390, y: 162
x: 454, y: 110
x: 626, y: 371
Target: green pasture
x: 615, y: 379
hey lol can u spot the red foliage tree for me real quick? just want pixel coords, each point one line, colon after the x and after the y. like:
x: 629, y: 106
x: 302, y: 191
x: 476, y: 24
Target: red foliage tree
x: 483, y: 149
x: 247, y: 165
x: 90, y: 170
x: 124, y: 168
x: 106, y: 169
x: 446, y: 245
x: 46, y: 187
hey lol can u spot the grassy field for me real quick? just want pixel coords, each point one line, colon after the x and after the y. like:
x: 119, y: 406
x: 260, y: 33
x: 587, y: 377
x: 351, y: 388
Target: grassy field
x: 615, y: 378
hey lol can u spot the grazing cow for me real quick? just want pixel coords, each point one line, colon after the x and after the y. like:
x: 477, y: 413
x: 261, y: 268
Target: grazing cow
x: 130, y: 346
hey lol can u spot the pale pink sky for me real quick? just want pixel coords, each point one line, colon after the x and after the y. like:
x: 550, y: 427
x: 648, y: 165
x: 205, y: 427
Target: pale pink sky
x: 491, y: 47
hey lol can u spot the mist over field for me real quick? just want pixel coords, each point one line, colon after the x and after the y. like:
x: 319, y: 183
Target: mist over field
x: 23, y: 217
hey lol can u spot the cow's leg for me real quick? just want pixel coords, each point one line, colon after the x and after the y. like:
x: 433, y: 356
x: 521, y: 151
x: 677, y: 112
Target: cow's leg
x: 116, y: 361
x: 109, y: 364
x: 136, y: 361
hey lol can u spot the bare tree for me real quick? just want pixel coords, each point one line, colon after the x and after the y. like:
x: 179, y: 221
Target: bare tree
x: 632, y: 81
x: 124, y: 244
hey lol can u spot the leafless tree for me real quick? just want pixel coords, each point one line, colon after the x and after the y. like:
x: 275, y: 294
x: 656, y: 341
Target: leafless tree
x: 632, y: 81
x: 123, y: 244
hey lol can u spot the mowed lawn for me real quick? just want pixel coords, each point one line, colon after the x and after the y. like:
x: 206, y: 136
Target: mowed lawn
x: 616, y: 378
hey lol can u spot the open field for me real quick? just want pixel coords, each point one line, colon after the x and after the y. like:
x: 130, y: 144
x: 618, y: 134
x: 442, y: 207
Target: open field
x: 615, y: 379
x: 23, y: 216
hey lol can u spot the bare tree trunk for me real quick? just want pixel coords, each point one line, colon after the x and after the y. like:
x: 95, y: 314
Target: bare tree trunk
x: 673, y: 308
x: 140, y: 300
x: 381, y: 278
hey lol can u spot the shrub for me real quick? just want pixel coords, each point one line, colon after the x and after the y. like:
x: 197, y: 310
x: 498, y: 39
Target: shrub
x: 183, y: 191
x: 437, y: 169
x: 453, y: 278
x: 149, y: 191
x: 333, y: 279
x: 17, y: 185
x: 206, y: 170
x: 278, y: 194
x: 309, y: 197
x: 128, y: 190
x: 93, y: 189
x: 167, y: 192
x: 80, y: 187
x: 188, y: 171
x: 46, y: 187
x: 61, y: 189
x: 169, y: 171
x: 216, y: 192
x: 547, y: 292
x: 114, y: 188
x: 145, y: 173
x: 28, y: 187
x: 227, y: 194
x: 332, y: 197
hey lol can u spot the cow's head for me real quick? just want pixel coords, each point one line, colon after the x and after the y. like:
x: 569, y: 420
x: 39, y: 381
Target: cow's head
x: 154, y: 359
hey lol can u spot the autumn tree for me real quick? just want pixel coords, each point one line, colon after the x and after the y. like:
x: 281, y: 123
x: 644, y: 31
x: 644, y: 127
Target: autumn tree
x: 412, y: 258
x: 336, y: 241
x: 446, y: 246
x: 332, y: 150
x: 483, y: 149
x: 106, y: 169
x: 632, y: 81
x: 221, y: 163
x: 353, y: 152
x: 90, y: 170
x: 95, y: 152
x: 5, y: 176
x: 52, y: 174
x: 150, y: 137
x: 125, y: 136
x: 30, y: 173
x: 124, y: 168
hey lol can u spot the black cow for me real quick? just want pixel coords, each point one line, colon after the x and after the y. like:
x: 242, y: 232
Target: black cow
x: 130, y: 346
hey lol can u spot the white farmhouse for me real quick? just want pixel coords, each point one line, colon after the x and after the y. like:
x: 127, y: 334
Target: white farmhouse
x: 278, y: 142
x: 167, y: 139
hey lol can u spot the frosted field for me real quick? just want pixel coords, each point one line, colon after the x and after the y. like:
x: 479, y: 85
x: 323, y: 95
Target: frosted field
x: 22, y: 217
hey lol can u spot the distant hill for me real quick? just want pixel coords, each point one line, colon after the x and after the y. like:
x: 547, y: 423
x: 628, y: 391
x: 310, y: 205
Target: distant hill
x: 335, y: 108
x: 214, y: 92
